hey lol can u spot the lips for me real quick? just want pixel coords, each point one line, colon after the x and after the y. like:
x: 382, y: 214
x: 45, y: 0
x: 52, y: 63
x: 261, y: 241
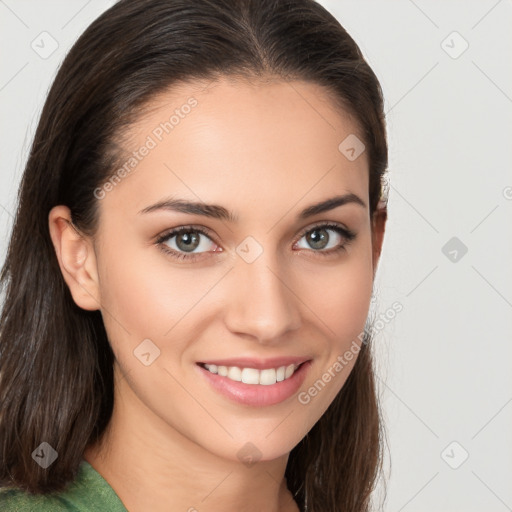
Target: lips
x: 254, y: 394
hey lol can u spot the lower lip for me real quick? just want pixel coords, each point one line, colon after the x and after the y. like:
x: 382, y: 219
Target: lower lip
x: 257, y: 395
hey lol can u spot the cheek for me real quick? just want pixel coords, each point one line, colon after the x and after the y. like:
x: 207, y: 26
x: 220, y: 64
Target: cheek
x: 146, y: 297
x: 348, y: 305
x: 145, y: 293
x: 130, y: 294
x: 340, y: 295
x: 340, y: 301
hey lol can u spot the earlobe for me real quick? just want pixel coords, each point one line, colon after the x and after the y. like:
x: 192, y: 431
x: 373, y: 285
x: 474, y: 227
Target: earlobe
x: 378, y: 228
x: 76, y: 258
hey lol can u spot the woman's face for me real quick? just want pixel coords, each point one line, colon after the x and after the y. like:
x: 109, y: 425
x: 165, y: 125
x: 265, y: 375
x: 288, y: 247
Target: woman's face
x: 259, y: 276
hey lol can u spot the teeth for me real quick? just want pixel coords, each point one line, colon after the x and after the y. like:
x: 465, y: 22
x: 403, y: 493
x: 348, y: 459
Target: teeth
x: 265, y: 377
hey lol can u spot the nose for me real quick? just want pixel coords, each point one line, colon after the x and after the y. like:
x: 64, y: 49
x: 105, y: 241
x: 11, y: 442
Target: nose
x: 262, y: 303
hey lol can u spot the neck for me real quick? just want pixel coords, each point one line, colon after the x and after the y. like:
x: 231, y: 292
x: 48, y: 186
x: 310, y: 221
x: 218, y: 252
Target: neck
x: 162, y: 468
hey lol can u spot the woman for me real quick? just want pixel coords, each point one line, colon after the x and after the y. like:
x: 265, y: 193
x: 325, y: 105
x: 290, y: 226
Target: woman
x: 191, y: 266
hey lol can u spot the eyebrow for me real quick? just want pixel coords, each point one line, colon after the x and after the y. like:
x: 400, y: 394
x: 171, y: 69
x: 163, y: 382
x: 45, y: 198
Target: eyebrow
x: 215, y: 211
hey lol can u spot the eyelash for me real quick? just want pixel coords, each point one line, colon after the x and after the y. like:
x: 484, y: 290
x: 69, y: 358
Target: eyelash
x: 347, y: 234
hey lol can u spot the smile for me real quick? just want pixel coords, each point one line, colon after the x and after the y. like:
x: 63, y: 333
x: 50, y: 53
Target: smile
x: 255, y: 387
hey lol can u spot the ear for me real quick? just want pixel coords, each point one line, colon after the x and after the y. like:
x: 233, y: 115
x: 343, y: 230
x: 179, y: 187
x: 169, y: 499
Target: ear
x: 378, y: 228
x: 77, y: 259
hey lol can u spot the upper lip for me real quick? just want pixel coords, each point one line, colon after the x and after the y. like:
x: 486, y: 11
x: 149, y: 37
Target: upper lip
x: 258, y: 364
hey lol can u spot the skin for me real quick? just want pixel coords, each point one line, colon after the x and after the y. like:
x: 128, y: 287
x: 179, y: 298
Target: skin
x: 264, y: 151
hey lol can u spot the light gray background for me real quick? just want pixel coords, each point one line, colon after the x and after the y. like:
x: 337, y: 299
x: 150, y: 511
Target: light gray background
x: 444, y: 361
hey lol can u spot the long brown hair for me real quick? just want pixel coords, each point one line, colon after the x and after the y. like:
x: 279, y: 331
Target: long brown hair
x: 56, y: 364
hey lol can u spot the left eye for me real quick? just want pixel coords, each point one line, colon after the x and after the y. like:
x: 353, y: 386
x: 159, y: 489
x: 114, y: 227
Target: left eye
x: 318, y: 238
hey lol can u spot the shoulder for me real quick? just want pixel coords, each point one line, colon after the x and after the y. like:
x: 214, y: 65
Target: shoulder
x: 89, y: 491
x: 17, y: 500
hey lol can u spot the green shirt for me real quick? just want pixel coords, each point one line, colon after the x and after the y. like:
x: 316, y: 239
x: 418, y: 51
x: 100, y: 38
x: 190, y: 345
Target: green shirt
x: 89, y: 492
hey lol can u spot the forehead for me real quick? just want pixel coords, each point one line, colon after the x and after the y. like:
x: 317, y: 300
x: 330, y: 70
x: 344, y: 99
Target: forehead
x: 245, y: 141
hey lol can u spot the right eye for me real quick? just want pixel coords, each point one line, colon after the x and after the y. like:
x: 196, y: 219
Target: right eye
x: 182, y: 242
